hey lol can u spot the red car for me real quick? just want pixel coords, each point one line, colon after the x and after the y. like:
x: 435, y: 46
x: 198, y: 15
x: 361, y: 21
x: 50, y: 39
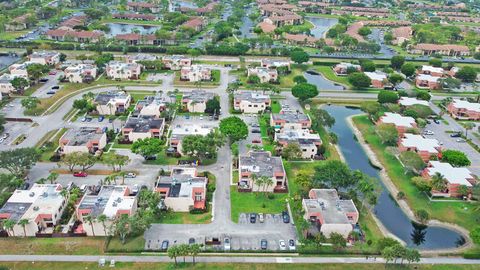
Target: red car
x: 53, y: 72
x: 256, y: 141
x: 80, y: 174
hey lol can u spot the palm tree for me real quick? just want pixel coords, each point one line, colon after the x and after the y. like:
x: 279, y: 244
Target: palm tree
x: 438, y: 182
x: 267, y: 182
x: 102, y: 219
x: 194, y: 250
x: 24, y: 222
x: 52, y: 177
x: 89, y: 219
x: 468, y: 126
x: 8, y: 226
x: 254, y: 178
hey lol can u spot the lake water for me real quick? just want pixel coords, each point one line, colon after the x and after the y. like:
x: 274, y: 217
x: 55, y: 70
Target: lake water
x: 321, y: 25
x: 387, y: 210
x: 7, y: 60
x: 119, y: 28
x: 321, y: 82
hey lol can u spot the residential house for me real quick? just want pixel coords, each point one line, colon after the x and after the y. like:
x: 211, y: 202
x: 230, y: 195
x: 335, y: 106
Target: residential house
x: 266, y: 27
x: 275, y: 63
x: 287, y: 19
x: 462, y: 109
x: 110, y: 201
x: 300, y: 39
x: 402, y: 123
x: 18, y: 24
x: 428, y: 82
x: 42, y: 206
x: 251, y: 101
x: 112, y: 103
x: 378, y: 79
x: 134, y: 16
x: 19, y: 70
x: 265, y: 75
x: 80, y: 73
x: 257, y: 164
x: 83, y: 139
x: 433, y: 71
x: 308, y: 142
x: 196, y: 73
x: 196, y: 101
x: 143, y: 127
x: 196, y: 24
x: 454, y: 176
x: 142, y: 6
x: 180, y: 131
x: 447, y: 49
x: 68, y: 34
x: 342, y: 68
x: 176, y: 62
x: 408, y: 101
x: 45, y: 58
x: 183, y: 190
x: 137, y: 39
x: 73, y: 21
x: 324, y: 208
x: 290, y: 121
x: 401, y: 34
x: 116, y: 70
x: 6, y: 86
x: 151, y: 106
x: 424, y: 147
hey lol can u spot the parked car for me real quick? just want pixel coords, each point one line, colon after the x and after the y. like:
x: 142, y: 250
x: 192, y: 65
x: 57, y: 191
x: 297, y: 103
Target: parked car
x: 291, y: 244
x: 55, y: 87
x: 43, y: 80
x: 226, y: 244
x: 25, y: 186
x: 53, y: 72
x: 256, y: 141
x: 428, y: 132
x: 130, y: 175
x: 263, y: 244
x: 191, y: 241
x: 83, y: 188
x: 51, y: 92
x: 460, y: 140
x: 201, y: 117
x: 285, y: 217
x: 255, y: 130
x: 100, y: 118
x: 456, y: 135
x: 164, y: 245
x: 436, y: 121
x: 135, y: 189
x: 84, y: 119
x: 80, y: 174
x: 261, y: 217
x: 253, y: 218
x: 154, y: 157
x: 89, y: 119
x: 282, y: 245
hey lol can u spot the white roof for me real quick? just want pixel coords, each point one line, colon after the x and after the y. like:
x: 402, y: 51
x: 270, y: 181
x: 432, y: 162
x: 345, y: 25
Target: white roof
x: 398, y: 120
x: 347, y: 65
x: 408, y: 101
x: 451, y: 174
x: 463, y: 104
x: 378, y: 76
x: 420, y: 143
x: 428, y: 78
x: 191, y: 130
x: 118, y: 201
x: 432, y: 69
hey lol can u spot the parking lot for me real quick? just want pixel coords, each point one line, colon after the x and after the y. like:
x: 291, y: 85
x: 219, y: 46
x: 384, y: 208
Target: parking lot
x: 440, y: 133
x: 13, y: 129
x: 45, y: 90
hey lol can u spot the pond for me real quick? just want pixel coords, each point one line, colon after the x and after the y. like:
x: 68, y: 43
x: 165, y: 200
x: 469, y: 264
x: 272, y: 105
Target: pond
x: 321, y: 82
x: 120, y: 28
x: 186, y: 4
x: 387, y: 210
x: 7, y: 60
x: 321, y: 25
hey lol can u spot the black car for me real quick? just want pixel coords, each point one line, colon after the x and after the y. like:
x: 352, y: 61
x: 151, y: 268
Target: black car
x: 255, y: 130
x: 253, y: 218
x: 164, y: 245
x: 191, y: 241
x: 151, y: 157
x: 436, y: 121
x: 56, y: 87
x: 285, y: 217
x: 43, y: 80
x: 456, y: 135
x: 263, y: 244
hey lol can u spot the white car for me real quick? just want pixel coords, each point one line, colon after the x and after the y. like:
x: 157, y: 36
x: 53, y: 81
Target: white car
x: 130, y: 175
x: 226, y: 244
x: 282, y: 245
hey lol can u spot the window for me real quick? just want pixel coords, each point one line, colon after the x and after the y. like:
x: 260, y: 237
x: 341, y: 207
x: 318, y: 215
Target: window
x: 198, y: 196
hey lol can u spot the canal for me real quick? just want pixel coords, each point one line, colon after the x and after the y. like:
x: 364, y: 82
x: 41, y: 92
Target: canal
x: 321, y: 25
x: 387, y: 210
x: 317, y: 79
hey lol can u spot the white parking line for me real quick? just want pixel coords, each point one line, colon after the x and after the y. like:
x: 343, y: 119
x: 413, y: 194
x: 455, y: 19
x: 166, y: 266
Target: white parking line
x: 284, y: 260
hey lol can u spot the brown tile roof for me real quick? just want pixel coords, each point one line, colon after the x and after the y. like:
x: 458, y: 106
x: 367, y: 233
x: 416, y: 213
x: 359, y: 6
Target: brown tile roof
x: 285, y: 17
x: 439, y: 47
x: 300, y: 38
x: 352, y: 31
x: 133, y: 36
x: 405, y: 32
x: 266, y: 27
x: 193, y: 23
x: 140, y: 4
x: 63, y: 32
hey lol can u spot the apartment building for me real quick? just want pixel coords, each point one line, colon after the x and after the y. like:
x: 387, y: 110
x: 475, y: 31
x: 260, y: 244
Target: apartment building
x: 266, y: 75
x: 116, y: 70
x: 196, y: 101
x: 342, y: 68
x: 143, y: 127
x: 83, y: 139
x: 455, y: 177
x: 80, y: 73
x: 176, y: 62
x: 426, y: 148
x: 112, y: 103
x: 256, y: 164
x: 308, y: 142
x: 180, y: 131
x: 402, y: 123
x: 45, y: 58
x: 462, y: 109
x: 290, y: 121
x: 251, y: 101
x: 196, y: 73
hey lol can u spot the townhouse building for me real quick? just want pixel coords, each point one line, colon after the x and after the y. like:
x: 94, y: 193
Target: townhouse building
x: 143, y: 127
x: 251, y: 101
x: 256, y: 164
x: 83, y: 140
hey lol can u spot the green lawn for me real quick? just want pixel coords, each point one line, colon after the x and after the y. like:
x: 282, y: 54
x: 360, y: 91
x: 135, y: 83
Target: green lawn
x: 286, y: 81
x: 276, y: 107
x: 235, y: 176
x: 48, y: 146
x: 458, y: 213
x: 186, y: 218
x: 135, y: 244
x: 255, y: 202
x: 330, y: 75
x: 40, y: 246
x: 208, y: 84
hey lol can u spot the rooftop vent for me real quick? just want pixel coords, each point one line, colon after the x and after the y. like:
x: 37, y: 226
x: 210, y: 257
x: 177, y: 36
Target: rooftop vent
x: 31, y: 194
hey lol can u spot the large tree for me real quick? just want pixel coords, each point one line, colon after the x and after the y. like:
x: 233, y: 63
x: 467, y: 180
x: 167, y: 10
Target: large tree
x: 385, y: 96
x: 292, y: 151
x: 299, y: 56
x: 213, y: 106
x: 321, y: 118
x: 388, y: 133
x: 19, y: 160
x: 456, y: 158
x: 35, y: 71
x: 147, y: 147
x: 467, y: 74
x: 397, y: 61
x: 304, y: 91
x: 359, y: 80
x: 234, y: 128
x: 412, y: 161
x: 333, y: 174
x: 19, y: 84
x: 202, y: 147
x: 408, y: 69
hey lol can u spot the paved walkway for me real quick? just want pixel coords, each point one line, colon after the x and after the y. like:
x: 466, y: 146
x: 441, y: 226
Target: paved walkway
x: 224, y: 259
